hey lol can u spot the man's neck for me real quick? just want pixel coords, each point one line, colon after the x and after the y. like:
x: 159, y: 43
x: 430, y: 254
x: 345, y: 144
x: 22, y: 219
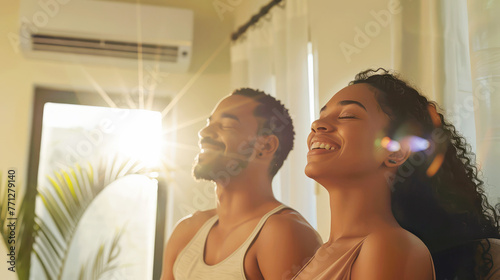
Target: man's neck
x: 244, y: 197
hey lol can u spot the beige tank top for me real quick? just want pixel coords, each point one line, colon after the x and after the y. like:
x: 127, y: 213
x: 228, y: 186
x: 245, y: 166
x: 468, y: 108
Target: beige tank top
x: 339, y: 270
x: 190, y: 263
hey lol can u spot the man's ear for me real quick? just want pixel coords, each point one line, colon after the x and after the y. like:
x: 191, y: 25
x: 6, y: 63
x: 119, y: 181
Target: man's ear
x: 397, y: 158
x: 267, y: 145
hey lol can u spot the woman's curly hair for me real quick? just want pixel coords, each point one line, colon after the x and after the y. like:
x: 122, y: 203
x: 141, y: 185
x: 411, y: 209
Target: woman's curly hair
x: 437, y: 194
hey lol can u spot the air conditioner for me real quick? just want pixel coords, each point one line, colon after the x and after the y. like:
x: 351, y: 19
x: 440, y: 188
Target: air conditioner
x: 110, y: 33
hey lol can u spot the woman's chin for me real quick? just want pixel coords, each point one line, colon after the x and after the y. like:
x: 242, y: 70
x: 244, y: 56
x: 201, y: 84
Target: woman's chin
x: 312, y: 172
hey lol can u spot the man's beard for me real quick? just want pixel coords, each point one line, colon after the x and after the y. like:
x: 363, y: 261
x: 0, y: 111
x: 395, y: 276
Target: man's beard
x: 220, y: 168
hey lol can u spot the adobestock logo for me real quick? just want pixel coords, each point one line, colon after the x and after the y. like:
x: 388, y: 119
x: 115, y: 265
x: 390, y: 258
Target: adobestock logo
x: 202, y: 198
x: 91, y: 140
x: 363, y: 37
x: 48, y: 9
x: 223, y: 6
x: 481, y: 94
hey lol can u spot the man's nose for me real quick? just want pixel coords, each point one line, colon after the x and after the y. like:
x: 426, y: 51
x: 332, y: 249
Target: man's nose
x: 207, y: 131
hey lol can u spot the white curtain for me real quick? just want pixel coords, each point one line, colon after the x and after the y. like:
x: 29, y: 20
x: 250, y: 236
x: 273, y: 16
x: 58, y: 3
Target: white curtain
x: 452, y: 49
x: 272, y: 56
x: 484, y: 41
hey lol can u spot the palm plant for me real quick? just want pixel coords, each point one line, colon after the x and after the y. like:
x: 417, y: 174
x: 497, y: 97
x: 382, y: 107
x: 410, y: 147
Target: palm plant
x: 66, y: 198
x: 105, y: 260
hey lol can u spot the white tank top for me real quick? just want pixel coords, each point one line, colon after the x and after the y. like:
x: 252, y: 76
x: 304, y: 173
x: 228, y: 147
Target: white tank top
x: 190, y: 263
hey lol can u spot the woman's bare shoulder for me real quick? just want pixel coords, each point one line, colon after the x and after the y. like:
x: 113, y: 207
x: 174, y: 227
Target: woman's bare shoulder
x: 495, y: 256
x: 396, y: 237
x: 393, y: 253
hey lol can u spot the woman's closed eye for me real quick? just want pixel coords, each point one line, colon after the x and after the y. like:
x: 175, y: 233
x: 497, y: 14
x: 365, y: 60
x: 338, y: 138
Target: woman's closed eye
x: 347, y: 116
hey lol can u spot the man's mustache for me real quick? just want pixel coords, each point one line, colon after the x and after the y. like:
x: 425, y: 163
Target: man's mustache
x: 211, y: 141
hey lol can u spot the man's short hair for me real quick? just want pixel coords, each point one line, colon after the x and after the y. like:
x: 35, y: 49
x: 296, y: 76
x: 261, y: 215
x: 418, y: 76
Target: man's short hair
x: 275, y: 120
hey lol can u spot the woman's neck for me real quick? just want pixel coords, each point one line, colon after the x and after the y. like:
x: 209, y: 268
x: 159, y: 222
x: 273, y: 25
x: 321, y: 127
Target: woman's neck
x: 358, y: 207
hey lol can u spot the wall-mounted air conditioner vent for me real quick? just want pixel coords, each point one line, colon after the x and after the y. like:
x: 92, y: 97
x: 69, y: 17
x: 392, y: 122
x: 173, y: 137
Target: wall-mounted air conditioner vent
x: 111, y: 33
x: 105, y: 48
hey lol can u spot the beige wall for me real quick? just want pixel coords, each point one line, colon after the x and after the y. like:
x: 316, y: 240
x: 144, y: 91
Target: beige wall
x: 18, y: 77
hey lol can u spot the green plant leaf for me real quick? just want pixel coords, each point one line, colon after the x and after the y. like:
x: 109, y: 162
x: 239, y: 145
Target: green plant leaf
x: 103, y: 263
x: 65, y: 199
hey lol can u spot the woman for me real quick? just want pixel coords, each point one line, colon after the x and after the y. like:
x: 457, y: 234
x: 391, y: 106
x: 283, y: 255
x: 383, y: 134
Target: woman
x: 398, y: 176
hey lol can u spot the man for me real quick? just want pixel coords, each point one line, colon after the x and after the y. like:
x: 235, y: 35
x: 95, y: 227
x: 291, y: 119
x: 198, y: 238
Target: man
x: 249, y: 235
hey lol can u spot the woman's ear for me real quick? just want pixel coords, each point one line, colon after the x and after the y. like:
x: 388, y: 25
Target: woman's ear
x: 397, y: 158
x: 267, y: 145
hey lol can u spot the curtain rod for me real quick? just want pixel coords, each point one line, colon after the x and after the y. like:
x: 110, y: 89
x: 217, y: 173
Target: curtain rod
x: 254, y: 19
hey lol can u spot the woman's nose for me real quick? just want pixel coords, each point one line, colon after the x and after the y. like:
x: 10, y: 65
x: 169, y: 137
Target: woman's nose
x: 321, y: 126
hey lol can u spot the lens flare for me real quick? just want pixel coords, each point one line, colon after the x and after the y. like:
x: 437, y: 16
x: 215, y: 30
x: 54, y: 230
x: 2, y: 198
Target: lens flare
x: 389, y: 144
x: 418, y: 144
x: 435, y: 165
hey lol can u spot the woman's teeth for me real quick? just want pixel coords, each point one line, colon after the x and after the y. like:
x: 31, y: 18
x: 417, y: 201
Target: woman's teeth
x: 317, y: 145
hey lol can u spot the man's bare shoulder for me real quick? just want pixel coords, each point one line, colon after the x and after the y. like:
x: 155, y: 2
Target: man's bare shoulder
x: 188, y: 226
x: 393, y: 252
x: 183, y: 232
x: 286, y: 242
x: 186, y: 229
x: 289, y: 220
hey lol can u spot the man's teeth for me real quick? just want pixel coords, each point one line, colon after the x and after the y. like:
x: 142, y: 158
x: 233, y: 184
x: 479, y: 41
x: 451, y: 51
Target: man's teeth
x: 209, y: 149
x: 317, y: 145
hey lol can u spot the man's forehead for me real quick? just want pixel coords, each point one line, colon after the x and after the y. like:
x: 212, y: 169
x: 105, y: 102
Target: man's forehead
x: 235, y: 104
